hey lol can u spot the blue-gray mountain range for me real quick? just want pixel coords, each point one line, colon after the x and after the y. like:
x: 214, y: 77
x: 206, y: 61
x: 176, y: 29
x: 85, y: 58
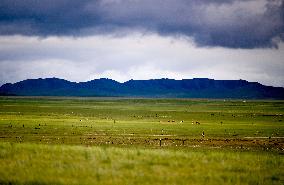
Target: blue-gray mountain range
x: 155, y: 88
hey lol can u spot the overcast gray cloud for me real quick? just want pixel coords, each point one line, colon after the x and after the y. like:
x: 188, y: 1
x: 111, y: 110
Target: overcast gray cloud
x: 142, y: 39
x: 136, y: 56
x: 226, y: 23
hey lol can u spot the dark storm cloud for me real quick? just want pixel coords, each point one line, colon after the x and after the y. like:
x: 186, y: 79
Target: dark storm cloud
x: 227, y: 23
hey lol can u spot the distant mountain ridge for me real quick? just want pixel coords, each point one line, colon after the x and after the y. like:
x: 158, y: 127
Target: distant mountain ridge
x: 156, y: 88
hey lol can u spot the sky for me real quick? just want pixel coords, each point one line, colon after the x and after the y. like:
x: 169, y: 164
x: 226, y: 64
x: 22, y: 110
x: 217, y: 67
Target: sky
x: 142, y: 39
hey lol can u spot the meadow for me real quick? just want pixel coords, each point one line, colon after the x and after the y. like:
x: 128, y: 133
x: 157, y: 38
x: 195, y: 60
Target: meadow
x: 59, y: 140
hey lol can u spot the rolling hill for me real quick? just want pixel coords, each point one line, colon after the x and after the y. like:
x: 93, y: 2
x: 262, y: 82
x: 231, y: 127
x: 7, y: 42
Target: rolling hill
x: 157, y: 88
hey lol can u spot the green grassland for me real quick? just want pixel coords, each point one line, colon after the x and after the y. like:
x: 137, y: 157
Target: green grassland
x: 53, y: 140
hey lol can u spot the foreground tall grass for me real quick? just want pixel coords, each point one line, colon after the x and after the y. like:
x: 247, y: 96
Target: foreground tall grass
x: 63, y: 164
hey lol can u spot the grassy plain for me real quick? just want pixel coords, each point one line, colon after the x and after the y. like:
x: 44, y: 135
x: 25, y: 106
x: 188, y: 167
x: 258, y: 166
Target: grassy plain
x: 51, y: 140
